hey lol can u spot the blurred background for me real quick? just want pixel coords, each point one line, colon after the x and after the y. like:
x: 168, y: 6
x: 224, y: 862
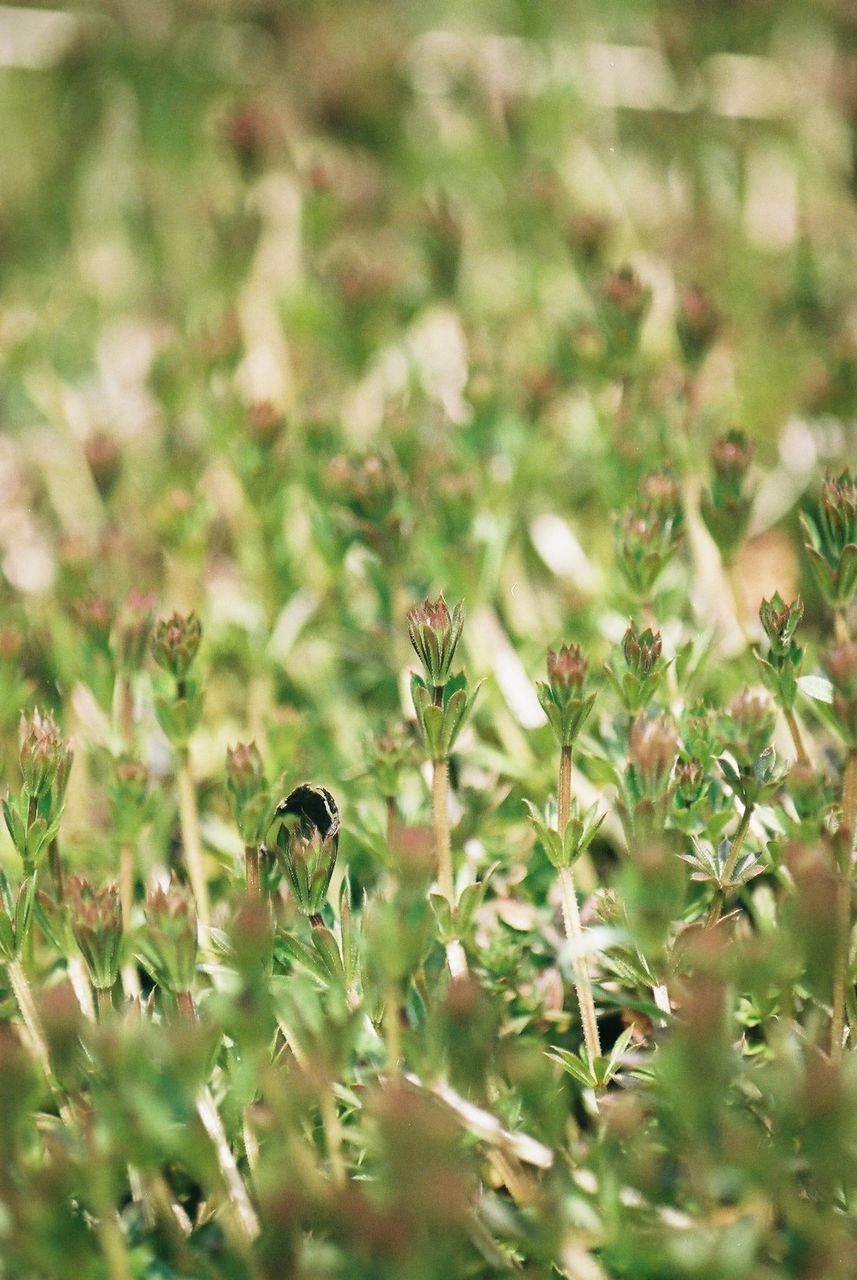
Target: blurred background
x: 308, y: 309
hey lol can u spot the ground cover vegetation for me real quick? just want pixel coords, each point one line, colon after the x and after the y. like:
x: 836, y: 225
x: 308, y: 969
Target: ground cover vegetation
x: 428, y: 652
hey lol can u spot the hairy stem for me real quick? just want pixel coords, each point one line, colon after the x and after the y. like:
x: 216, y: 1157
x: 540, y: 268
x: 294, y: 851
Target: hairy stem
x: 738, y: 842
x: 36, y: 1039
x: 797, y: 738
x: 239, y: 1200
x: 251, y: 870
x: 392, y: 1029
x: 843, y: 910
x: 333, y: 1136
x: 191, y: 838
x: 571, y: 917
x: 440, y: 815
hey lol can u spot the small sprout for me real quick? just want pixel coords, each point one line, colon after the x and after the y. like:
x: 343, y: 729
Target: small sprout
x: 388, y: 754
x: 781, y: 668
x: 131, y: 632
x: 45, y: 758
x: 749, y: 725
x: 646, y: 541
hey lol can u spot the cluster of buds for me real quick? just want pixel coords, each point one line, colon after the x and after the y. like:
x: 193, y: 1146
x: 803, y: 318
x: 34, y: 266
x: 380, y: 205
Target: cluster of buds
x: 725, y: 505
x: 388, y: 754
x: 747, y: 732
x: 649, y: 786
x: 643, y: 666
x: 249, y: 795
x: 33, y: 816
x: 175, y: 644
x: 831, y: 543
x: 441, y: 702
x: 624, y: 302
x: 697, y: 323
x: 841, y: 666
x: 307, y: 842
x: 562, y: 697
x: 168, y: 946
x: 781, y: 668
x: 95, y: 915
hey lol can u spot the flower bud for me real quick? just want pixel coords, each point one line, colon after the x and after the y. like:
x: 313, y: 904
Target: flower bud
x: 641, y: 651
x: 387, y: 755
x: 131, y: 632
x: 175, y: 643
x: 434, y: 634
x: 567, y: 670
x: 96, y: 922
x: 45, y: 758
x: 249, y: 798
x: 750, y: 725
x: 652, y: 746
x: 779, y: 622
x: 624, y: 303
x: 264, y: 422
x: 169, y: 945
x: 839, y: 511
x: 697, y: 323
x: 646, y: 541
x: 662, y: 494
x: 731, y: 455
x: 725, y: 508
x: 105, y: 461
x: 562, y: 699
x: 841, y: 666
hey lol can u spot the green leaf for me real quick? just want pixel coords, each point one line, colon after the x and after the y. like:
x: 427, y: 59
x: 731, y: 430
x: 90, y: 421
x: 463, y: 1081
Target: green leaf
x: 326, y: 946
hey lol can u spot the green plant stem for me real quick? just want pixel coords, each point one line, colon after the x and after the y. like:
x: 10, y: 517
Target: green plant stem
x: 455, y: 957
x: 126, y: 883
x: 239, y: 1200
x: 849, y: 791
x: 392, y: 820
x: 184, y: 1000
x: 251, y: 870
x: 113, y: 1247
x: 797, y: 738
x: 55, y: 864
x: 392, y: 1029
x: 440, y: 815
x: 104, y: 999
x: 191, y: 838
x: 333, y: 1136
x: 738, y: 842
x: 571, y: 917
x: 35, y: 1034
x: 843, y: 910
x: 840, y: 626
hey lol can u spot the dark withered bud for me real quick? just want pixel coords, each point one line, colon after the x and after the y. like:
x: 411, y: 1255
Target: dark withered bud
x: 307, y: 844
x: 175, y: 643
x: 435, y: 633
x: 697, y: 324
x: 96, y: 922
